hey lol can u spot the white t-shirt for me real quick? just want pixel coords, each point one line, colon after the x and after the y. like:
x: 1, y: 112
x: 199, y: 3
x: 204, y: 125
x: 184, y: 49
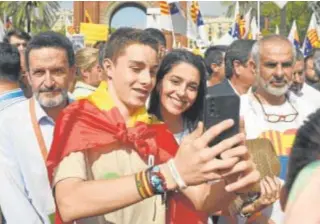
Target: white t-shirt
x: 310, y: 95
x: 281, y: 134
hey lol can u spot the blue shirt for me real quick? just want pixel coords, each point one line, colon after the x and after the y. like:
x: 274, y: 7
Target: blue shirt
x: 25, y: 195
x: 11, y: 97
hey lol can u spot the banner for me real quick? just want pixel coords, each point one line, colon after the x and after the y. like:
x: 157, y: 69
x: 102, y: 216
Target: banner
x: 94, y: 32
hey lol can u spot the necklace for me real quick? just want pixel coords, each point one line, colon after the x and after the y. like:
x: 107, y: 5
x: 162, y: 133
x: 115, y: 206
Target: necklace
x: 274, y: 118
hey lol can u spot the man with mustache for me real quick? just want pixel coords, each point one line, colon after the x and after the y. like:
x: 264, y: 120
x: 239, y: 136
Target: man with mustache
x: 311, y: 76
x: 316, y: 66
x: 272, y: 111
x: 26, y: 131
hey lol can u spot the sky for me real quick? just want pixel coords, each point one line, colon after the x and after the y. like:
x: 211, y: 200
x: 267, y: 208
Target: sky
x: 134, y: 17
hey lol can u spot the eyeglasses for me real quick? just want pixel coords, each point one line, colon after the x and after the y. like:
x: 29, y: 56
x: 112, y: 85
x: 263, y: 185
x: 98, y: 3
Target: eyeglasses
x: 274, y: 118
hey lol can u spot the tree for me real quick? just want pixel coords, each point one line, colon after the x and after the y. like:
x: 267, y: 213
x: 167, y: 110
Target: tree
x: 296, y: 10
x: 19, y: 11
x: 244, y: 7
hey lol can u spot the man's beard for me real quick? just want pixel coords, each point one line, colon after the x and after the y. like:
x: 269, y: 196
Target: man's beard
x: 276, y: 91
x: 50, y: 102
x: 296, y: 88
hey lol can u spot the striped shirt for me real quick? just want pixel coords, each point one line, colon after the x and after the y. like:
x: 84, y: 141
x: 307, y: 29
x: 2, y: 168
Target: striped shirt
x: 11, y: 97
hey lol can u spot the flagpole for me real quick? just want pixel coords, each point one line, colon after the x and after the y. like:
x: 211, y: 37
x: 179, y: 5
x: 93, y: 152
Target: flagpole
x: 173, y: 34
x: 258, y: 7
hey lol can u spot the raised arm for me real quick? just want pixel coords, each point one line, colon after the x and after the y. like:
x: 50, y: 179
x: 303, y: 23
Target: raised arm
x: 194, y: 161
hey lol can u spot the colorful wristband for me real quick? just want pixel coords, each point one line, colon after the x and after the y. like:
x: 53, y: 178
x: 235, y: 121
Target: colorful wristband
x: 156, y: 180
x: 143, y: 186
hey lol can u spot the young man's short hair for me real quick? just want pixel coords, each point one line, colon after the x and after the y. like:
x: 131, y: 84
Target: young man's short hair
x: 50, y: 39
x: 9, y: 63
x: 158, y: 35
x: 117, y: 45
x: 120, y: 32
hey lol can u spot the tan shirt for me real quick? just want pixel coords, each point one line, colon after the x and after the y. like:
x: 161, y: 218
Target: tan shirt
x: 111, y: 165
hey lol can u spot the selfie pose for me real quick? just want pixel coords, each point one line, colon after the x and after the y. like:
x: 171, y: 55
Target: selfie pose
x: 110, y: 157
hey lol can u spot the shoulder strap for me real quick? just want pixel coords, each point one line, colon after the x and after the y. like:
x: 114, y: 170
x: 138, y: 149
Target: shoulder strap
x: 37, y: 131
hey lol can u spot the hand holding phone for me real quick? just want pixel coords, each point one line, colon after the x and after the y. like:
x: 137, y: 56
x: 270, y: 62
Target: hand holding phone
x: 221, y: 103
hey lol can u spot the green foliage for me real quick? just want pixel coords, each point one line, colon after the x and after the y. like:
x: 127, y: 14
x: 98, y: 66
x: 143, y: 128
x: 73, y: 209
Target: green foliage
x: 296, y: 10
x: 18, y: 11
x: 112, y: 29
x: 62, y: 30
x: 244, y: 6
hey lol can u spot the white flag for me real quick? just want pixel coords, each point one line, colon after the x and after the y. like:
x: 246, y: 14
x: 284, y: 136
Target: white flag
x: 277, y: 30
x: 2, y: 31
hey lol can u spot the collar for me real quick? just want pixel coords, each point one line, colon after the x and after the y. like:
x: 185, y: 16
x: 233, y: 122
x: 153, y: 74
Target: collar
x: 234, y: 89
x: 41, y: 113
x: 82, y: 85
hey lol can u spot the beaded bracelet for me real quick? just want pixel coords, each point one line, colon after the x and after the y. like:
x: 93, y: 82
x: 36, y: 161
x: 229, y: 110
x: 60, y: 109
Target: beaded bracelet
x: 143, y: 185
x: 157, y: 180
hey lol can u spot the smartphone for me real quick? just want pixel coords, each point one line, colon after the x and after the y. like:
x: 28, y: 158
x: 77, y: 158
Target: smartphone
x: 221, y: 103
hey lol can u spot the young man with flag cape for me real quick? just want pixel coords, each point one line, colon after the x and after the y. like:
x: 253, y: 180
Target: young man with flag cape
x: 110, y: 157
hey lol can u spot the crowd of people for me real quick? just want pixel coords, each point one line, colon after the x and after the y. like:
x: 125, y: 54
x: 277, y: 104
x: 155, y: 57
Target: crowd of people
x: 114, y: 133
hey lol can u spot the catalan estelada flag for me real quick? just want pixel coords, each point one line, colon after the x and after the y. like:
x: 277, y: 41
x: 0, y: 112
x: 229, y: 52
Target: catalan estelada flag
x: 95, y: 122
x: 294, y: 36
x: 239, y: 24
x: 197, y: 19
x: 311, y: 40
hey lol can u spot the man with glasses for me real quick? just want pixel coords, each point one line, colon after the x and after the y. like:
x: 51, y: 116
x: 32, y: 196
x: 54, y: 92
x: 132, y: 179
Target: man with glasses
x: 272, y: 111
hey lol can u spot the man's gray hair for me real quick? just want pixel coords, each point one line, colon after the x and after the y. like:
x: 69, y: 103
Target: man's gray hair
x: 255, y: 52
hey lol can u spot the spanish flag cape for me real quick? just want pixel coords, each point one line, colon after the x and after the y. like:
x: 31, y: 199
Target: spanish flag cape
x: 95, y: 122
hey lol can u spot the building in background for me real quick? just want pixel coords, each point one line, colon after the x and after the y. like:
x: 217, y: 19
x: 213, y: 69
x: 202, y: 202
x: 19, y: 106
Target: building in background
x: 102, y: 12
x: 215, y: 27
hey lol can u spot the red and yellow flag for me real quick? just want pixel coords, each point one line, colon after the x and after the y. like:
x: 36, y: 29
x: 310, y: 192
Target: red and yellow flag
x: 164, y: 8
x: 194, y: 10
x: 87, y: 17
x: 95, y: 122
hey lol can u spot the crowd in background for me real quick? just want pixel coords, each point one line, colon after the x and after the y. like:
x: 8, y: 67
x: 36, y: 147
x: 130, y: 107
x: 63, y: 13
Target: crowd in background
x: 114, y: 133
